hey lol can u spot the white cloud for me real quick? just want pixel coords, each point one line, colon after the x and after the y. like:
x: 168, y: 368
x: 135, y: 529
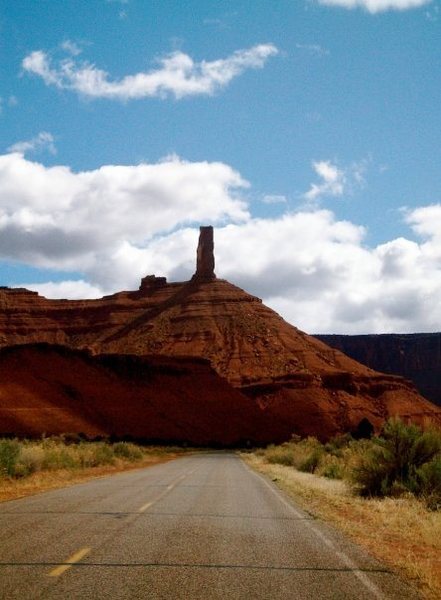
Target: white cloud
x: 43, y: 141
x: 375, y: 6
x: 333, y: 181
x: 53, y: 217
x: 72, y: 289
x: 116, y: 224
x: 178, y: 75
x: 71, y: 47
x: 425, y: 221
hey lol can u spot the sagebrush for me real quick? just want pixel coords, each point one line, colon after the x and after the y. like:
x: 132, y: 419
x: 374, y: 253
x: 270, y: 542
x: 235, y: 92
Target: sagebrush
x: 403, y: 459
x: 22, y: 458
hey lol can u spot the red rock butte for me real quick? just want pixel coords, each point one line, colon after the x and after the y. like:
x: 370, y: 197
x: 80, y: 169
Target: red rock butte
x: 203, y: 356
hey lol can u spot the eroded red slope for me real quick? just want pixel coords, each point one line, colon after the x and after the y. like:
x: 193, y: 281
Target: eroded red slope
x: 293, y: 377
x: 52, y: 390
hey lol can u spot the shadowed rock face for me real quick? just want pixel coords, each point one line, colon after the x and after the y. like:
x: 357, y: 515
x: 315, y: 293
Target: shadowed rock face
x: 300, y: 383
x: 49, y: 389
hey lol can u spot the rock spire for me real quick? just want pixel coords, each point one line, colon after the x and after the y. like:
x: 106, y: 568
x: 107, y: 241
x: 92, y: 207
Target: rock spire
x: 205, y: 255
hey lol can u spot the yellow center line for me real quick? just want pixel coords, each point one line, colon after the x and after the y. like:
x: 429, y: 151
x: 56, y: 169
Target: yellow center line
x: 69, y: 562
x: 168, y: 489
x: 146, y: 506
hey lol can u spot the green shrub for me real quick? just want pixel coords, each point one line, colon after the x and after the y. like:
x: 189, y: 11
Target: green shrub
x: 9, y: 451
x: 30, y: 460
x: 103, y: 454
x: 312, y: 461
x: 282, y: 455
x: 59, y: 458
x: 337, y: 444
x: 395, y: 462
x: 95, y: 454
x: 333, y: 470
x: 429, y: 479
x: 127, y: 451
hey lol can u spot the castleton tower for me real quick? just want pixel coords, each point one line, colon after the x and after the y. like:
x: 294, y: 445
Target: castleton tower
x: 205, y: 255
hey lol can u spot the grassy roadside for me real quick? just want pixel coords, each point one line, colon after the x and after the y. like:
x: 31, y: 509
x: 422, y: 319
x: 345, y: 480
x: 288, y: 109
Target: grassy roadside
x: 31, y: 467
x: 401, y: 532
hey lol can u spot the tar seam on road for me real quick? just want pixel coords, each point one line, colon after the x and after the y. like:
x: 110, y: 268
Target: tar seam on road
x: 342, y: 556
x: 117, y: 513
x: 69, y: 562
x: 166, y: 565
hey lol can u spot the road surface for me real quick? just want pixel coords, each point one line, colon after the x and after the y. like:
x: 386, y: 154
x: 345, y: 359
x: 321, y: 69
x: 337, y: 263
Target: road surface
x: 199, y: 527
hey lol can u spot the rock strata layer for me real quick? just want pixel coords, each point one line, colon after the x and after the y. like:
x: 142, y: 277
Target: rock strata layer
x: 416, y: 356
x: 54, y: 390
x: 299, y: 384
x: 297, y: 381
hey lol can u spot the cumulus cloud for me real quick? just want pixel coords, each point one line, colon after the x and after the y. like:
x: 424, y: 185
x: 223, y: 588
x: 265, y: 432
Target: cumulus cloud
x: 43, y: 141
x: 77, y: 289
x: 336, y: 180
x: 178, y: 75
x: 375, y: 6
x: 116, y: 224
x: 319, y: 274
x: 54, y: 217
x: 333, y: 181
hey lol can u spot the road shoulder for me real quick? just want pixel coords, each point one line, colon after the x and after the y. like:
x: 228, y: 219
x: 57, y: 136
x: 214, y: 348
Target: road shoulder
x: 401, y: 534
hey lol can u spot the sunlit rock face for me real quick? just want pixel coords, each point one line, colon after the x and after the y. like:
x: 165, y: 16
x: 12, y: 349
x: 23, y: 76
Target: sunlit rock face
x: 300, y: 384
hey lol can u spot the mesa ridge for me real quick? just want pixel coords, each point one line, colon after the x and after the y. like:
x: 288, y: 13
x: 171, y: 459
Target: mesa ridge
x: 277, y: 379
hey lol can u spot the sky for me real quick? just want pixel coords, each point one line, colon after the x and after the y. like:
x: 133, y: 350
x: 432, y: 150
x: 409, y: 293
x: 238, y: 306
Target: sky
x: 307, y: 132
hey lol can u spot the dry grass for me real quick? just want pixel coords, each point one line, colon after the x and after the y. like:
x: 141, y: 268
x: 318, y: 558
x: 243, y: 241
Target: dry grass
x: 42, y: 481
x: 402, y: 532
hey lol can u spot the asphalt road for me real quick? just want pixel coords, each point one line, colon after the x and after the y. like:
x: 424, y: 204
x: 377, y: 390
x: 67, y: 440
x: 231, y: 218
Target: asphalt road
x: 199, y: 527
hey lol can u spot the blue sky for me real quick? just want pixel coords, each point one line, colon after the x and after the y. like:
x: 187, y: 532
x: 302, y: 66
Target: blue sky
x: 306, y: 131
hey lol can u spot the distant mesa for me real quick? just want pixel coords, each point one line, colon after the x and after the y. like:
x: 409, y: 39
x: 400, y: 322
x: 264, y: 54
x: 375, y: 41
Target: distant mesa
x: 169, y: 348
x: 416, y: 356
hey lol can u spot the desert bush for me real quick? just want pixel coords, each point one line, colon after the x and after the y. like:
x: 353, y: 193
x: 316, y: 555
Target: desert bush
x: 282, y: 455
x: 312, y: 461
x: 305, y: 455
x: 332, y: 467
x: 397, y: 462
x: 95, y: 454
x: 9, y: 451
x: 22, y: 458
x: 30, y: 459
x: 57, y: 457
x: 103, y: 454
x: 429, y: 480
x: 337, y: 444
x: 402, y: 460
x: 127, y: 450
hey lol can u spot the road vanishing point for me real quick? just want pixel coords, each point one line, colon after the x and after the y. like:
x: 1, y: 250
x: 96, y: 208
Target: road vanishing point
x: 203, y: 526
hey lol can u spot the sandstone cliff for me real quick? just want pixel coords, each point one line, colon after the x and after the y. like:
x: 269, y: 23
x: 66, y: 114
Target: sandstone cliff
x: 294, y: 378
x: 416, y: 356
x: 49, y: 389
